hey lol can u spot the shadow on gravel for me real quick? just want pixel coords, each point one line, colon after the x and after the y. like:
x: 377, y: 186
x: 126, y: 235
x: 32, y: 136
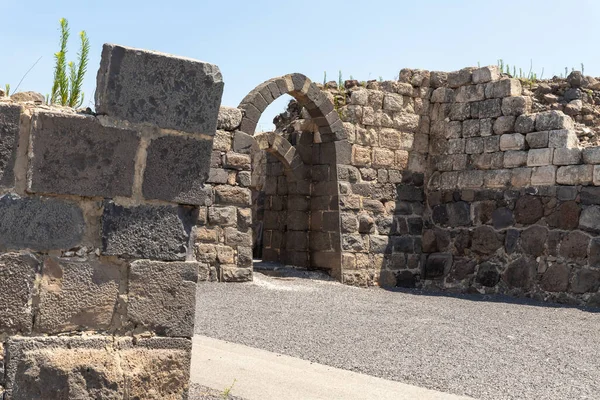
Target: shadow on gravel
x: 277, y: 270
x: 490, y: 298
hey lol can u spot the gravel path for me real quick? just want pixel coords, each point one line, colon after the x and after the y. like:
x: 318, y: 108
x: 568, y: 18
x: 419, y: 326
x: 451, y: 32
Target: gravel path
x: 500, y: 348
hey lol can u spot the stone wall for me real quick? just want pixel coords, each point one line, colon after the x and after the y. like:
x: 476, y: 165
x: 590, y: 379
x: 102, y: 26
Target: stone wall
x: 99, y: 215
x: 508, y: 202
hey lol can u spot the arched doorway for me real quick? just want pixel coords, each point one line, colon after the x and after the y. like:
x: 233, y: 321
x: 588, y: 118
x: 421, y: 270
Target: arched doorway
x: 301, y: 222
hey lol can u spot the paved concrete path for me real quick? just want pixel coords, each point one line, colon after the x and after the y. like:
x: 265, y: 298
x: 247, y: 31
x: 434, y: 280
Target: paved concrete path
x: 489, y: 348
x: 264, y: 375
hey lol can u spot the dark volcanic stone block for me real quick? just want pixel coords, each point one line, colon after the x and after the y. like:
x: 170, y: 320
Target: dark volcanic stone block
x: 77, y: 294
x: 10, y: 115
x: 171, y: 92
x: 17, y: 277
x: 75, y: 154
x: 162, y: 296
x: 153, y: 232
x: 437, y: 265
x: 176, y: 169
x: 521, y: 273
x: 487, y: 274
x: 39, y: 224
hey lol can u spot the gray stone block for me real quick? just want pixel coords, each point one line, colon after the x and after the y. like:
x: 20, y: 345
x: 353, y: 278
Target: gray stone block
x: 97, y: 367
x: 552, y: 120
x: 591, y: 155
x: 162, y: 297
x: 75, y: 154
x: 537, y: 140
x: 10, y: 115
x: 39, y: 224
x: 77, y: 294
x: 169, y: 91
x: 17, y: 277
x: 153, y: 232
x: 176, y: 170
x: 243, y: 143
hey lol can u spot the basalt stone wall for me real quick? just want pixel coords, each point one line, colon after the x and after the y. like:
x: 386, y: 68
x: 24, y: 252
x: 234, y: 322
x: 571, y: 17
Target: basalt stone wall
x: 462, y: 181
x: 99, y: 216
x: 510, y: 196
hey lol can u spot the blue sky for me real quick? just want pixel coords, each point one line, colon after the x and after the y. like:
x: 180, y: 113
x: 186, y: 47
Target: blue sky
x: 252, y: 41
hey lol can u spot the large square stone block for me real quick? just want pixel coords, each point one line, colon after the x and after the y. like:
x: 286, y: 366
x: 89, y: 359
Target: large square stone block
x: 75, y: 154
x: 168, y: 91
x: 77, y: 294
x: 162, y: 296
x: 176, y: 170
x: 145, y: 231
x: 39, y: 223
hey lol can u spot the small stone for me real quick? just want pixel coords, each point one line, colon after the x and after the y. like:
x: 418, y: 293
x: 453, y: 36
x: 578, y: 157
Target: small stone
x: 553, y: 120
x: 229, y: 118
x: 487, y: 274
x: 562, y: 139
x: 525, y: 123
x: 513, y: 159
x: 591, y: 155
x: 515, y: 141
x: 28, y: 97
x: 528, y: 210
x: 533, y: 240
x: 589, y: 219
x: 521, y: 273
x: 556, y: 278
x: 516, y: 105
x: 537, y: 140
x: 506, y: 87
x: 543, y: 176
x: 575, y: 175
x: 504, y: 124
x: 574, y: 245
x: 539, y: 157
x: 502, y: 218
x: 566, y: 156
x: 486, y: 74
x: 437, y: 265
x: 485, y: 240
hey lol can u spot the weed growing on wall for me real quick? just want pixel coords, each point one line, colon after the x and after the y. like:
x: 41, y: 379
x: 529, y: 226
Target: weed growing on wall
x: 66, y: 88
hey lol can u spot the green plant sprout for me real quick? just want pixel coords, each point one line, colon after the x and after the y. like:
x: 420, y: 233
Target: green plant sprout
x: 7, y: 89
x: 66, y: 87
x: 227, y: 390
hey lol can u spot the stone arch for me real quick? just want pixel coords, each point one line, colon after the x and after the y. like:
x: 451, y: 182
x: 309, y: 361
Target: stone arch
x: 310, y: 167
x: 305, y: 91
x: 282, y: 149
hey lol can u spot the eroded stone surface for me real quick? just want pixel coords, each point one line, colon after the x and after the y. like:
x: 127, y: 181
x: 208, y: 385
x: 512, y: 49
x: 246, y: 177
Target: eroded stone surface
x: 77, y: 294
x: 150, y: 87
x: 17, y: 276
x: 153, y: 232
x: 97, y: 367
x: 39, y: 223
x: 176, y: 170
x: 162, y: 296
x: 75, y: 154
x: 10, y: 115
